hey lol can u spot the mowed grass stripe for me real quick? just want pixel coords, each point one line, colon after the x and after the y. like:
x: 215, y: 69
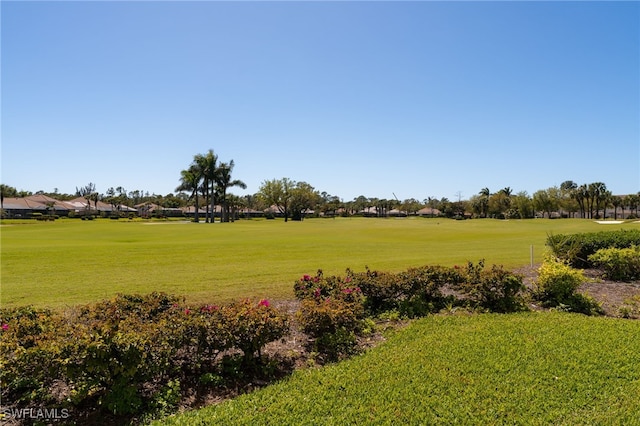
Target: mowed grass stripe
x: 73, y: 261
x: 525, y: 369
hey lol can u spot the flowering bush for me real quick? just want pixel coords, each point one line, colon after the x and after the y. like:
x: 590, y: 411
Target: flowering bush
x: 251, y: 326
x: 334, y: 324
x: 321, y: 287
x: 332, y: 313
x: 128, y: 354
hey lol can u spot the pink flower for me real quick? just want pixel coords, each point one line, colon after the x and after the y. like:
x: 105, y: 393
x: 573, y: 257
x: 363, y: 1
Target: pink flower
x: 317, y: 292
x: 265, y: 303
x: 187, y: 311
x: 306, y: 277
x: 347, y: 280
x: 5, y: 327
x: 347, y: 291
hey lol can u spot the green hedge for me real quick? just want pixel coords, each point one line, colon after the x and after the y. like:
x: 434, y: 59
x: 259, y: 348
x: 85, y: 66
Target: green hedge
x: 621, y: 264
x: 575, y: 249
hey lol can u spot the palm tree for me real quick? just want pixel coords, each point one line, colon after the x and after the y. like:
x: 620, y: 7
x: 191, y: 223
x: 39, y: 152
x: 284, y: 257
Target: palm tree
x: 616, y: 201
x: 597, y: 195
x: 190, y: 182
x: 581, y: 195
x: 224, y: 182
x: 483, y: 202
x: 207, y: 167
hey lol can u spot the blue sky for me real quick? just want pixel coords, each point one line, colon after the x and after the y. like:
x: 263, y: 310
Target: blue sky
x: 416, y: 99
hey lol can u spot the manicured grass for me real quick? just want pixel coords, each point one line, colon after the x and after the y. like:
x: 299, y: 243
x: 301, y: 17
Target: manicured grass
x: 71, y: 261
x: 524, y: 369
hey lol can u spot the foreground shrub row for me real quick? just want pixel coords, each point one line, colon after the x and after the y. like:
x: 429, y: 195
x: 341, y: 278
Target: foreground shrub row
x: 336, y: 310
x: 129, y: 354
x: 576, y: 249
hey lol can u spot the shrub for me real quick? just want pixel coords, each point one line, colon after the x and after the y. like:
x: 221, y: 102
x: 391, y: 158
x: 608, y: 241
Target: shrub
x: 382, y: 291
x: 423, y: 289
x: 622, y: 264
x: 556, y: 288
x: 557, y: 282
x: 494, y: 290
x: 333, y: 323
x: 117, y: 348
x: 252, y: 325
x: 29, y: 364
x: 128, y: 354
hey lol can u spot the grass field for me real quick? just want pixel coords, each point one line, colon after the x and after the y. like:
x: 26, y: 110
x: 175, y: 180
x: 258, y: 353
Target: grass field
x: 519, y: 369
x: 71, y: 261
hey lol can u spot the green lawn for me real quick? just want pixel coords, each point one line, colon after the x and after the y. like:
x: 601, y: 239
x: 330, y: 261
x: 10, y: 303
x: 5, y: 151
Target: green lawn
x: 518, y: 369
x: 71, y: 261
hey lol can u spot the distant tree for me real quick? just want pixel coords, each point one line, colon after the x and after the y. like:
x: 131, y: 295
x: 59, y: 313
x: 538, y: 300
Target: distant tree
x: 632, y: 202
x: 234, y: 203
x: 89, y: 193
x: 360, y: 203
x: 224, y: 182
x: 616, y: 201
x: 410, y: 206
x: 371, y: 203
x: 329, y: 204
x: 278, y: 193
x: 112, y: 199
x: 498, y: 204
x: 523, y: 205
x: 6, y: 191
x: 597, y: 194
x: 207, y: 166
x: 506, y: 191
x: 190, y: 182
x: 304, y: 197
x: 544, y: 201
x: 567, y: 199
x: 483, y: 201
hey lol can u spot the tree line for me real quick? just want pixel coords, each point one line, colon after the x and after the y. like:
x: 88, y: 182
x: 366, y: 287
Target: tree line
x: 206, y: 183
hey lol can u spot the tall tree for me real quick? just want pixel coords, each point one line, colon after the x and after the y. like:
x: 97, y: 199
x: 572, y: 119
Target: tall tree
x: 581, y: 195
x: 278, y: 193
x: 483, y: 201
x: 616, y: 201
x: 224, y: 182
x: 545, y: 201
x: 208, y: 167
x: 597, y: 192
x: 190, y: 182
x: 303, y: 198
x: 523, y: 205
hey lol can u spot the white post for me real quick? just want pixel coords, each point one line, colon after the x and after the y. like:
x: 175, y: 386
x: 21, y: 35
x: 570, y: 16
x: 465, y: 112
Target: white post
x: 531, y: 252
